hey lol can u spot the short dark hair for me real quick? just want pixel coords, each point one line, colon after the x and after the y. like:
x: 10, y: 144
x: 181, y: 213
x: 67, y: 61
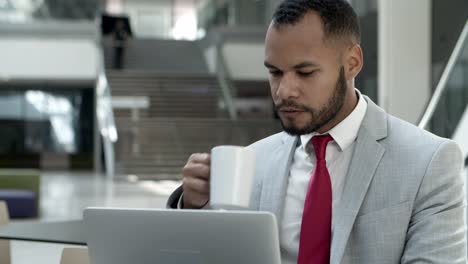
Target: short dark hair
x: 338, y: 17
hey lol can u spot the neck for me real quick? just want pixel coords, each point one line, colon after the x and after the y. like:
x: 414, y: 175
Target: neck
x: 348, y: 107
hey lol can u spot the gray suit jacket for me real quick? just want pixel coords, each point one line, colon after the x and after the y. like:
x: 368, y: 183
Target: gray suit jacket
x: 404, y: 199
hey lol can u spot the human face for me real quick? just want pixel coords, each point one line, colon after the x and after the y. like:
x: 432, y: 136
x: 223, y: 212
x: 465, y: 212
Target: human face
x: 317, y: 118
x: 307, y: 76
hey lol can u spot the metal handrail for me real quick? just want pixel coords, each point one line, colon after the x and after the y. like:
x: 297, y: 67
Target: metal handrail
x: 105, y: 118
x: 105, y: 104
x: 441, y: 86
x: 225, y: 83
x: 104, y: 110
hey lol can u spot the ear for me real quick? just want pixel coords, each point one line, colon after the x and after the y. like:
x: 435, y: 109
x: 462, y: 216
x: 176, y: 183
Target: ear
x: 353, y: 61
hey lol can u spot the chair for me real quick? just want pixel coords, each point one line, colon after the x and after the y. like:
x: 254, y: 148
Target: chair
x: 20, y: 188
x: 75, y: 256
x: 4, y: 244
x: 21, y: 203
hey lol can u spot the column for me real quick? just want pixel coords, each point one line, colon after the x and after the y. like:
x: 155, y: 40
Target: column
x: 404, y: 48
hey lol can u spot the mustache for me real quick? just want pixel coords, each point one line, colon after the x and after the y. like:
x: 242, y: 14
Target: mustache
x: 291, y: 104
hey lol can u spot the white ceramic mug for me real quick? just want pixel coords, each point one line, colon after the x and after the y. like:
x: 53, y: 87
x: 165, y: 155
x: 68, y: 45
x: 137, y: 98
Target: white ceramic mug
x: 232, y: 174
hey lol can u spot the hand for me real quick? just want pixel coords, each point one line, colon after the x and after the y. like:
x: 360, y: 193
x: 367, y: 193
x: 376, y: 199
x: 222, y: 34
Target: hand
x: 196, y: 181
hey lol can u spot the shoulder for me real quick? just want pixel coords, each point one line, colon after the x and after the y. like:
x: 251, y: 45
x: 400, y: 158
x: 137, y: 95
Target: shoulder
x: 403, y: 132
x: 416, y: 143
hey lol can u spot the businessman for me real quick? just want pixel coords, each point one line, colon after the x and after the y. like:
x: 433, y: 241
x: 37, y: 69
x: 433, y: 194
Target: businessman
x: 347, y: 182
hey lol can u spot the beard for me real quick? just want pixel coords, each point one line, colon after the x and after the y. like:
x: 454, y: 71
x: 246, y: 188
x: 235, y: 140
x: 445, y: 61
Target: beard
x: 318, y: 117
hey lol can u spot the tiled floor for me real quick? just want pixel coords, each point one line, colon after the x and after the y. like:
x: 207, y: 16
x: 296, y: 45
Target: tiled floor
x: 65, y: 195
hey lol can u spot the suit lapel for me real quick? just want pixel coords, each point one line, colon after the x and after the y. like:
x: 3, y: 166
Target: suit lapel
x: 275, y: 181
x: 366, y: 157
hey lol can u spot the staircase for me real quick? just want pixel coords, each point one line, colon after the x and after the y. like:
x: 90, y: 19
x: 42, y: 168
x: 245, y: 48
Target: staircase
x: 169, y: 96
x: 157, y: 55
x: 167, y: 143
x: 183, y: 116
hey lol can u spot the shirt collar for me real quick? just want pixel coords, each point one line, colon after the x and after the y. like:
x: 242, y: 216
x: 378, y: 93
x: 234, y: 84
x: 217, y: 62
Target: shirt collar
x: 345, y: 132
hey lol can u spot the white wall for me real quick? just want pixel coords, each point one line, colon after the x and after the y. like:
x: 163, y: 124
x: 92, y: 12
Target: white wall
x: 245, y: 61
x: 404, y: 35
x: 210, y: 54
x: 48, y: 58
x: 149, y: 19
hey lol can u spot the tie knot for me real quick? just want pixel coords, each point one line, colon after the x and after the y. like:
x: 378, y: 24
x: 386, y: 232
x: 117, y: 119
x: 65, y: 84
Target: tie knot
x: 320, y: 145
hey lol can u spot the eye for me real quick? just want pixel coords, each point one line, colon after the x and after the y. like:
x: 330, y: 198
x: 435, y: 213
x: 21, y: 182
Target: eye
x: 275, y: 73
x: 306, y: 74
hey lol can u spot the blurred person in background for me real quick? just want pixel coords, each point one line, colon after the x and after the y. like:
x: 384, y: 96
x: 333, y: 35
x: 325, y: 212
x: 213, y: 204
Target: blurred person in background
x: 119, y: 37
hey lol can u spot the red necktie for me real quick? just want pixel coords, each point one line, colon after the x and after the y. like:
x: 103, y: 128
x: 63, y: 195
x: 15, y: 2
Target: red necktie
x: 315, y: 238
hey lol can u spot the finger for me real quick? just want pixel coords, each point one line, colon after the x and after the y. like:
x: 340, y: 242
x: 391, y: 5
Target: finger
x: 204, y: 158
x: 195, y: 201
x: 196, y: 186
x: 196, y: 170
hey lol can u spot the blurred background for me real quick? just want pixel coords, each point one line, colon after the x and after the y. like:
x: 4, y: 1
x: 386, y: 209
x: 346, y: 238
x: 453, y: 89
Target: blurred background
x: 102, y: 102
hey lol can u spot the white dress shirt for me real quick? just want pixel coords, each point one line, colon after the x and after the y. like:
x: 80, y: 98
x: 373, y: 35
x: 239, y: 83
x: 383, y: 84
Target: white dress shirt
x: 338, y: 156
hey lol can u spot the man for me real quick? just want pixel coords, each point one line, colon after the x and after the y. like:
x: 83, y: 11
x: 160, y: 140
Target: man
x: 347, y: 182
x: 120, y: 36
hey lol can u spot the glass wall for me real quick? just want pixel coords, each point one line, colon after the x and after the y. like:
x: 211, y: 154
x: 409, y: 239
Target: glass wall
x: 43, y: 120
x: 366, y: 81
x: 46, y: 122
x: 447, y: 23
x: 17, y: 11
x: 454, y: 99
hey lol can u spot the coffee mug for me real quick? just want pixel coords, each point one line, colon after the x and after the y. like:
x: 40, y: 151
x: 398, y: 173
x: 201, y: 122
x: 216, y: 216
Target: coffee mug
x: 232, y: 174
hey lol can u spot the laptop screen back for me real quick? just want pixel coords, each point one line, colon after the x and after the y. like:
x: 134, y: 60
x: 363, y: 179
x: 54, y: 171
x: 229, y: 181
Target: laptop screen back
x: 144, y: 236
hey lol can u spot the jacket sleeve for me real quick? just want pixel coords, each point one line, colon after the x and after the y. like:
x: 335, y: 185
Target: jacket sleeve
x: 437, y: 229
x: 173, y: 201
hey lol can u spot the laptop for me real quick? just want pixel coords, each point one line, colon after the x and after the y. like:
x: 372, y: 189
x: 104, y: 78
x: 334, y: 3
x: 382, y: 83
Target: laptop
x: 144, y: 236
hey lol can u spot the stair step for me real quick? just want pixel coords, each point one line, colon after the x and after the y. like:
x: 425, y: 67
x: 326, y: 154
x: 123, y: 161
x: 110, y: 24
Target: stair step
x: 183, y: 118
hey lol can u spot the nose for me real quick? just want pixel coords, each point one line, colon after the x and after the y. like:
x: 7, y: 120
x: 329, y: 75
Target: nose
x: 288, y: 87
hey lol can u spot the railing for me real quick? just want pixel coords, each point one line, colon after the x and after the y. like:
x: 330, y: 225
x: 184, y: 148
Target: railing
x: 104, y: 112
x: 442, y: 85
x: 447, y: 112
x: 227, y: 87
